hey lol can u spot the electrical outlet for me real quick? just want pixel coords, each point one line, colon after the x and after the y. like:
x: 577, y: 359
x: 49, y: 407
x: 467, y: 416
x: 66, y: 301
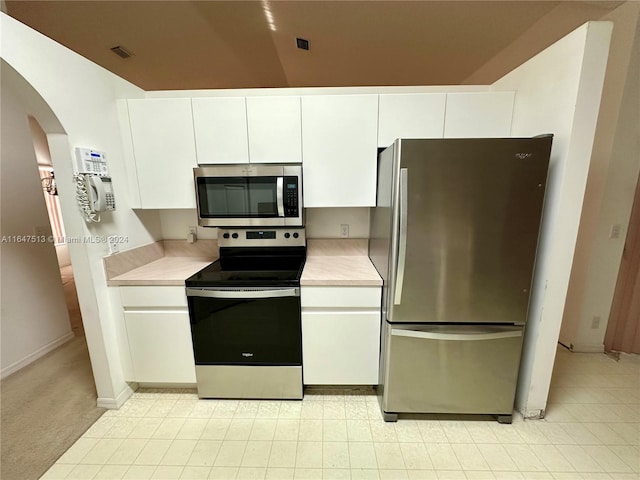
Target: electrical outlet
x: 595, y: 322
x: 344, y: 230
x: 113, y: 246
x: 616, y: 230
x: 192, y: 236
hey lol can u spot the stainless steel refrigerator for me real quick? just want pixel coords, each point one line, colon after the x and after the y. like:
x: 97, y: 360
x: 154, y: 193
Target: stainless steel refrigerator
x: 454, y: 236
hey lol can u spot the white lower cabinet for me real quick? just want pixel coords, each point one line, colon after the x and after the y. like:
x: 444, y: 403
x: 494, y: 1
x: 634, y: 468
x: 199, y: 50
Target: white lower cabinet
x: 340, y: 335
x: 158, y: 334
x: 160, y: 346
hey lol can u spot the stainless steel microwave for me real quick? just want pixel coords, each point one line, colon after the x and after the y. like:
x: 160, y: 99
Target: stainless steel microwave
x: 249, y: 195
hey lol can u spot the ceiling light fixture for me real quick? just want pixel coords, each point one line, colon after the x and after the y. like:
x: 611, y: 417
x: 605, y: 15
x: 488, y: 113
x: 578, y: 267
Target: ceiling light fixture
x: 266, y: 7
x: 121, y: 51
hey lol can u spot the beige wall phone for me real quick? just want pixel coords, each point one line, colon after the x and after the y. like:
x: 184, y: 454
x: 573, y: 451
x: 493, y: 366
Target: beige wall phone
x: 94, y: 190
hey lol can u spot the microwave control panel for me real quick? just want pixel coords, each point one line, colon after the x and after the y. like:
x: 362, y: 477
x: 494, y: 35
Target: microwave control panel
x: 290, y: 196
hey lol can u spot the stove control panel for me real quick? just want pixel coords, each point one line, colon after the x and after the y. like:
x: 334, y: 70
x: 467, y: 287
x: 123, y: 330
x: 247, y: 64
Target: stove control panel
x: 262, y: 237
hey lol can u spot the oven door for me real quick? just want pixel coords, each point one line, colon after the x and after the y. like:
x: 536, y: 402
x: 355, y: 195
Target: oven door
x: 246, y: 326
x: 248, y: 196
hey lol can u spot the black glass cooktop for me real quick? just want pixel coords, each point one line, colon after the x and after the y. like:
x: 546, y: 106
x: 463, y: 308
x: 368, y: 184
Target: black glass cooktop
x: 252, y: 268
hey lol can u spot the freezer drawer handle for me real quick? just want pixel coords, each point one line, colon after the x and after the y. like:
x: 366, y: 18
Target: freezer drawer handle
x: 243, y: 293
x: 402, y: 247
x: 455, y: 336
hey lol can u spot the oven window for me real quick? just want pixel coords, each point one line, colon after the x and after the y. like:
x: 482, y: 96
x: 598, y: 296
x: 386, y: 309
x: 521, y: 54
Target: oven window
x: 262, y: 331
x: 237, y: 197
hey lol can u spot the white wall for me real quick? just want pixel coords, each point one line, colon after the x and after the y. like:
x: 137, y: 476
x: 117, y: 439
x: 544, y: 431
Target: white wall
x: 325, y: 222
x: 34, y: 314
x: 613, y: 174
x: 319, y: 222
x: 558, y: 91
x: 74, y: 101
x: 176, y: 223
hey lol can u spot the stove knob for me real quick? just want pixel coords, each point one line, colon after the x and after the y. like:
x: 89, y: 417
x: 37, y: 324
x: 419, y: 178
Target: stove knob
x: 287, y: 235
x: 235, y: 235
x: 295, y: 235
x: 226, y: 235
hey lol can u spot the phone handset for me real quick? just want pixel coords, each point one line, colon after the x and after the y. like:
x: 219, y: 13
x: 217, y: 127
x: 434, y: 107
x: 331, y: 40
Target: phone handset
x: 94, y: 194
x: 96, y: 191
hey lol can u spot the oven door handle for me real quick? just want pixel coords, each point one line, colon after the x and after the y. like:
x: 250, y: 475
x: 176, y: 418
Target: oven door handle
x: 280, y: 195
x: 246, y: 293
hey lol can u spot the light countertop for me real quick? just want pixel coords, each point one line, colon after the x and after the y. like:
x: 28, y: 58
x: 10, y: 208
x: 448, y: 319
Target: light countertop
x: 339, y: 270
x: 330, y: 262
x: 339, y: 262
x: 163, y: 271
x: 168, y: 262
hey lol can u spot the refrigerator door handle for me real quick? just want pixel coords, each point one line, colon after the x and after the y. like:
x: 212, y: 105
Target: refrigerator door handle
x: 455, y: 336
x: 402, y: 240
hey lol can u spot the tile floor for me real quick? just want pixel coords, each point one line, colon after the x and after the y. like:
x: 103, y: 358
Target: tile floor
x: 591, y: 431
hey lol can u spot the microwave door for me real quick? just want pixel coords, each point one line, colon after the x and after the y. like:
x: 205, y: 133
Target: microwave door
x: 235, y: 199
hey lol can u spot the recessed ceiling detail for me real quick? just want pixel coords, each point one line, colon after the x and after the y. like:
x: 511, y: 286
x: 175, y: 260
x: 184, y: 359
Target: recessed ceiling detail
x: 193, y: 44
x: 121, y: 51
x: 302, y: 43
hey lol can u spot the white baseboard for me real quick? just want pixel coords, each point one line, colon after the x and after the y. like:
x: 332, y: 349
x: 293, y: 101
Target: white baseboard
x: 116, y: 403
x: 32, y: 357
x: 587, y: 348
x: 533, y: 414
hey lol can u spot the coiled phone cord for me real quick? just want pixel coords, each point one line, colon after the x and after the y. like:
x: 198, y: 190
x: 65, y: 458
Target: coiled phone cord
x: 82, y: 196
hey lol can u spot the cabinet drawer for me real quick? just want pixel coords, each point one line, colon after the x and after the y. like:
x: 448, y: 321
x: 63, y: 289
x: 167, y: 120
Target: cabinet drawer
x: 340, y: 297
x: 150, y: 296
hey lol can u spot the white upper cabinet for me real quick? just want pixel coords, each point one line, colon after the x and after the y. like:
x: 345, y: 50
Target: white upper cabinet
x: 274, y: 126
x: 164, y: 150
x: 414, y: 115
x: 339, y: 150
x: 220, y: 126
x: 478, y: 114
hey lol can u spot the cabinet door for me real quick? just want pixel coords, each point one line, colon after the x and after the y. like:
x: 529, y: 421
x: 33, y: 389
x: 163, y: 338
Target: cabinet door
x: 339, y: 150
x: 220, y: 126
x: 164, y: 149
x: 160, y: 346
x: 478, y: 115
x: 274, y: 129
x: 419, y: 115
x: 340, y: 347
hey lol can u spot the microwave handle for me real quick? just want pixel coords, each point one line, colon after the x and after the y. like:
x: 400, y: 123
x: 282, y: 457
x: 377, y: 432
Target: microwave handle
x: 280, y: 195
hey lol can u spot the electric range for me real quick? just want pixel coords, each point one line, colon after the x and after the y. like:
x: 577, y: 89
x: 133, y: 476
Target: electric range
x: 245, y: 315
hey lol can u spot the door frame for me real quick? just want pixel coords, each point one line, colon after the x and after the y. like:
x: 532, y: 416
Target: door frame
x: 623, y: 328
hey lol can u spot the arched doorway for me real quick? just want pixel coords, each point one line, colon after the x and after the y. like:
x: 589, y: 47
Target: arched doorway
x: 48, y: 390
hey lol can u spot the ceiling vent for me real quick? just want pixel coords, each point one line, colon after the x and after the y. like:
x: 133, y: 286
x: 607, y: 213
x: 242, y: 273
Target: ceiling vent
x: 121, y: 51
x: 302, y: 43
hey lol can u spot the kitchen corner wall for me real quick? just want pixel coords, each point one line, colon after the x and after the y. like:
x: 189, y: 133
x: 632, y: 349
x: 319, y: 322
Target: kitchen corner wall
x: 558, y: 91
x: 74, y: 100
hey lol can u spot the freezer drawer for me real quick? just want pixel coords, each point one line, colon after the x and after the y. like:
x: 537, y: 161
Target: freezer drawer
x: 451, y: 369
